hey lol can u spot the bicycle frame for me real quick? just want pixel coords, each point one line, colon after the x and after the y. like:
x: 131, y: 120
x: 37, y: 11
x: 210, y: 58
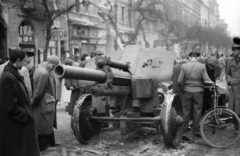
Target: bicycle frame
x: 216, y: 95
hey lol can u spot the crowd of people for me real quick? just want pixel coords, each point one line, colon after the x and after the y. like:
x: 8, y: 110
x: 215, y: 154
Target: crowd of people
x: 28, y: 97
x: 189, y: 75
x: 28, y: 100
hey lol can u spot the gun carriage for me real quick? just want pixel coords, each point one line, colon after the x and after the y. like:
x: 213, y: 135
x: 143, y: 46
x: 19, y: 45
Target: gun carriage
x: 134, y: 85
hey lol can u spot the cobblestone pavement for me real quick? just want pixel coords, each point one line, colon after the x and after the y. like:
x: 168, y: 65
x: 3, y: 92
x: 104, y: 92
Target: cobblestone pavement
x: 111, y: 143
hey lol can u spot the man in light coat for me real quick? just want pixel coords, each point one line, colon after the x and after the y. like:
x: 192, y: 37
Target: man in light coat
x: 233, y: 79
x: 44, y: 98
x: 25, y: 71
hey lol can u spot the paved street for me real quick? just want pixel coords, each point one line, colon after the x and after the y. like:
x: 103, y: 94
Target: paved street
x: 111, y: 143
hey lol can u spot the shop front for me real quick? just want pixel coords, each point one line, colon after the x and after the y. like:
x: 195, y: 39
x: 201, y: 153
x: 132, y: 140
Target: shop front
x: 58, y: 43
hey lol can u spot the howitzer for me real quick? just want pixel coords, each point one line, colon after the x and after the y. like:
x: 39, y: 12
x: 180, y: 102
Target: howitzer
x: 134, y: 84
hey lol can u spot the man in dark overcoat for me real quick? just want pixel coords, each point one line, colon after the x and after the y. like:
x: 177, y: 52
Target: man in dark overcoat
x: 44, y: 98
x: 17, y: 119
x: 233, y: 78
x: 190, y: 81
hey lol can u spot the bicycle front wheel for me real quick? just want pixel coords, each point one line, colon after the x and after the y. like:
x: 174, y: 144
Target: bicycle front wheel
x: 218, y: 128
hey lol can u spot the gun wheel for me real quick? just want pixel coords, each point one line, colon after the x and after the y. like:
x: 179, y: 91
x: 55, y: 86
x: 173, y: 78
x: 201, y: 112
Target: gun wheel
x: 172, y: 121
x: 84, y: 128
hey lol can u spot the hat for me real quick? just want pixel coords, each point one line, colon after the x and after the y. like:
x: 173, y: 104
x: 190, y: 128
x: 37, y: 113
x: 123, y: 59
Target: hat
x: 29, y: 52
x: 53, y: 59
x: 194, y: 54
x: 236, y: 42
x: 212, y: 61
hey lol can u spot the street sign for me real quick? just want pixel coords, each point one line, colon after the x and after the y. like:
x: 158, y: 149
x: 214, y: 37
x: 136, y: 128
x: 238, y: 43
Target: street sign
x: 60, y: 34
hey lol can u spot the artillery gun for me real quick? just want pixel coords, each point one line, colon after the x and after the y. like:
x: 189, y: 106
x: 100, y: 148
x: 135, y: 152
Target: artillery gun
x: 134, y: 84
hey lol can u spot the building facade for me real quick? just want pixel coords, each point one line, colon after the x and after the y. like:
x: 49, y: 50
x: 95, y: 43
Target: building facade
x: 24, y: 28
x: 82, y: 30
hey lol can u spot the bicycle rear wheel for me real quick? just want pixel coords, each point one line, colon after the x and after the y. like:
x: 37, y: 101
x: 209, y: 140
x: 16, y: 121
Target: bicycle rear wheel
x: 217, y: 128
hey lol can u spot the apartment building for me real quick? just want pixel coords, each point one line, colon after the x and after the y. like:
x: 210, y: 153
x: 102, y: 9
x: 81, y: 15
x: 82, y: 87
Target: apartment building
x: 23, y: 26
x: 82, y: 30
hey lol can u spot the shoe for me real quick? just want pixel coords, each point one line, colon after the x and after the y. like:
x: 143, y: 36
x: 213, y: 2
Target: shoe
x: 198, y: 135
x: 187, y: 139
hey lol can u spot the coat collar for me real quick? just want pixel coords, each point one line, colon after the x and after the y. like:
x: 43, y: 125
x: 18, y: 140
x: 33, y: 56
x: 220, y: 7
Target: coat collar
x: 234, y: 63
x: 193, y: 61
x: 12, y: 69
x: 43, y: 65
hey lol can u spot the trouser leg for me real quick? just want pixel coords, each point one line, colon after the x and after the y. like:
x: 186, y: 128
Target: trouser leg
x: 207, y: 101
x: 197, y: 111
x: 187, y: 107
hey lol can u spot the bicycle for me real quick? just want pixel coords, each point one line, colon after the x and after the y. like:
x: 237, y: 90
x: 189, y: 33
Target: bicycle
x: 217, y: 125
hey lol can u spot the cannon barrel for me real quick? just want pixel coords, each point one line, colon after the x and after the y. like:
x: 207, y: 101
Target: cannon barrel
x: 70, y: 72
x: 112, y: 63
x: 118, y: 64
x: 119, y: 78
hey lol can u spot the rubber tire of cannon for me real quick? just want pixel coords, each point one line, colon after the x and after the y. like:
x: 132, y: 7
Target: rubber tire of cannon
x: 81, y: 124
x: 172, y: 135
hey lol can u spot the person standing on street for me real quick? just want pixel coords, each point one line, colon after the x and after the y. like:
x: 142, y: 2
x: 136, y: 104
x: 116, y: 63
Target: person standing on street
x: 44, y: 98
x: 25, y: 71
x: 211, y: 64
x: 191, y: 80
x: 233, y: 79
x: 17, y: 121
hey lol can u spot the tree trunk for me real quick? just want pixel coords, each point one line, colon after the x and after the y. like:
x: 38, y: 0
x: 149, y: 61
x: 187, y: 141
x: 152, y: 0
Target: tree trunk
x: 48, y: 38
x: 49, y: 24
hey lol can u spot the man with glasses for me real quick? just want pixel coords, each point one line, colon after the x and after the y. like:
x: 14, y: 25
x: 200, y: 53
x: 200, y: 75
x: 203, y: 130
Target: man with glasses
x: 44, y: 98
x: 233, y: 78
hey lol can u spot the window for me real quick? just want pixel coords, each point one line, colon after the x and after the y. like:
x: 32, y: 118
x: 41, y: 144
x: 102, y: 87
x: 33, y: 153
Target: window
x: 52, y: 50
x: 26, y: 33
x: 26, y: 37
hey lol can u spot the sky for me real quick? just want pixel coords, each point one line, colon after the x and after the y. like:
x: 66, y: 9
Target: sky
x: 230, y: 11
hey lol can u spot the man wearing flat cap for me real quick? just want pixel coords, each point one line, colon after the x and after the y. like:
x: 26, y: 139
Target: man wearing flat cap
x: 44, y: 97
x: 190, y: 81
x: 233, y: 78
x: 211, y: 64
